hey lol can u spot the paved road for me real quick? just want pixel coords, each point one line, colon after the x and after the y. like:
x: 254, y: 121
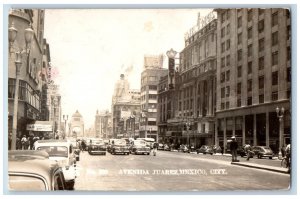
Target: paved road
x: 172, y: 171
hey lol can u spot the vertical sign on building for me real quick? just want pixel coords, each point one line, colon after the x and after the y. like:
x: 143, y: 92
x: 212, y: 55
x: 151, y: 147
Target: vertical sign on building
x: 171, y: 55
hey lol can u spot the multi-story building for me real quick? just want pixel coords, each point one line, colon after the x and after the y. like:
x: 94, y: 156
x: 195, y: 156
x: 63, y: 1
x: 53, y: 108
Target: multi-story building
x: 125, y: 110
x: 28, y: 40
x: 253, y: 76
x: 195, y: 88
x: 103, y: 124
x: 150, y: 77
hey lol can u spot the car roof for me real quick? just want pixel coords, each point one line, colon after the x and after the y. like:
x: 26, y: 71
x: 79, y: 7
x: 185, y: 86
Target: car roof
x: 53, y: 142
x: 34, y: 153
x: 26, y: 164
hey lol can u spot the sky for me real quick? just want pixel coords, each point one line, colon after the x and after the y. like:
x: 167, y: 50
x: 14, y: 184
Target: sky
x: 90, y: 48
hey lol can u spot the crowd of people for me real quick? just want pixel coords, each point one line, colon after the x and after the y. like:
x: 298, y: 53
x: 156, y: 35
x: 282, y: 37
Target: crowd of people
x: 26, y: 142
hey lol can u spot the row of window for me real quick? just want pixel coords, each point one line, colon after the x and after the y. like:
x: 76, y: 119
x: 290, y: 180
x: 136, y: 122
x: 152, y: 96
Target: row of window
x: 26, y: 93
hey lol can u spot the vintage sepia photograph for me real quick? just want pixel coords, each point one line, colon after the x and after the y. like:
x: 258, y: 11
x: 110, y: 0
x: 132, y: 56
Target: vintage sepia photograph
x: 148, y: 99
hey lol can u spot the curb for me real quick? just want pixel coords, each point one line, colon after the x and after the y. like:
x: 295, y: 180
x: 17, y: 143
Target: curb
x: 257, y: 166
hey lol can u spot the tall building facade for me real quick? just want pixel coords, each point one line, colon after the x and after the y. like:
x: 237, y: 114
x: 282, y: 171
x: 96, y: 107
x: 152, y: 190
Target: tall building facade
x: 125, y: 110
x: 103, y: 124
x: 149, y: 86
x: 31, y: 72
x: 253, y: 76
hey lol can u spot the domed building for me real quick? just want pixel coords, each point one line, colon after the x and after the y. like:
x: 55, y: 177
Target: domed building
x: 76, y: 126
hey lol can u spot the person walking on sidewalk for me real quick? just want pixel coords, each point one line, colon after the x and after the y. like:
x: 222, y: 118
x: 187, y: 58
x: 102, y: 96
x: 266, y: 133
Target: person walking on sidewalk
x: 247, y: 149
x: 233, y: 149
x: 155, y: 146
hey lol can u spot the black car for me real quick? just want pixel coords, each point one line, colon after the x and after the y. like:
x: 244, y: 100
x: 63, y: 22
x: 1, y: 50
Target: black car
x: 96, y: 146
x: 119, y: 147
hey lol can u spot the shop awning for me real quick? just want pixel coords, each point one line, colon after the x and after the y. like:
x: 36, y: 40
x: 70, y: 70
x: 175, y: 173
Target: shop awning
x: 40, y: 126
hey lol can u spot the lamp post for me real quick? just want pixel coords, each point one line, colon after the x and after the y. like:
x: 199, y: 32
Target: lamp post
x: 280, y: 114
x: 188, y: 124
x: 65, y: 118
x: 12, y: 35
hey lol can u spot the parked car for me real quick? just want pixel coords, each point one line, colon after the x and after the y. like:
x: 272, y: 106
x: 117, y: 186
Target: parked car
x: 263, y: 151
x: 30, y: 170
x: 216, y: 149
x: 167, y: 147
x: 205, y: 149
x: 119, y: 147
x: 62, y: 152
x: 140, y: 147
x: 109, y: 145
x: 160, y: 146
x: 183, y: 148
x: 96, y: 146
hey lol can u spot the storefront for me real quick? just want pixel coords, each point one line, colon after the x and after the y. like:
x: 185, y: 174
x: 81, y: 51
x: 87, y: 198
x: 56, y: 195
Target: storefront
x: 42, y: 129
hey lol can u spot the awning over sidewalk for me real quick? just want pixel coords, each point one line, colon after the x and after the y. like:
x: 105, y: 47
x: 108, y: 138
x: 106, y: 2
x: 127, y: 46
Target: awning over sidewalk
x: 40, y: 126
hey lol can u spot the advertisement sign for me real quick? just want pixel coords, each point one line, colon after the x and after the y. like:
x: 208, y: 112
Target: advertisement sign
x: 39, y: 126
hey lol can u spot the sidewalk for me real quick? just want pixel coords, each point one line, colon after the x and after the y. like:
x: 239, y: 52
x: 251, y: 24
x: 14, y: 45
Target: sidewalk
x: 270, y: 165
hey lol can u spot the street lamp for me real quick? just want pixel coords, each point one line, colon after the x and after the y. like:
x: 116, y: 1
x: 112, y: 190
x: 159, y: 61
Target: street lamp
x: 188, y: 124
x: 12, y: 35
x: 280, y: 114
x: 65, y: 118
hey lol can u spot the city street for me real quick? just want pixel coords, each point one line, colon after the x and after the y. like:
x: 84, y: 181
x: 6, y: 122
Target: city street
x: 172, y: 171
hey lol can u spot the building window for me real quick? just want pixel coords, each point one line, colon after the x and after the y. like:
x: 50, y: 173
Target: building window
x: 223, y: 92
x: 228, y: 44
x: 227, y: 105
x: 249, y: 101
x: 228, y: 75
x: 250, y: 15
x: 222, y: 106
x: 239, y: 102
x: 223, y: 17
x: 239, y: 88
x: 275, y: 19
x: 249, y: 33
x: 261, y: 63
x: 223, y: 62
x: 261, y: 26
x: 261, y: 98
x: 223, y: 47
x: 212, y: 38
x: 275, y: 58
x: 239, y: 22
x: 240, y: 52
x: 228, y: 29
x: 288, y: 74
x: 152, y: 87
x: 227, y: 60
x: 228, y: 14
x: 239, y: 71
x: 261, y: 82
x: 275, y: 78
x: 222, y: 32
x: 274, y: 38
x: 227, y: 91
x: 249, y: 85
x: 288, y: 53
x: 261, y: 11
x: 274, y: 96
x: 249, y: 67
x: 239, y: 38
x: 250, y: 50
x: 261, y: 44
x: 152, y: 96
x: 222, y: 77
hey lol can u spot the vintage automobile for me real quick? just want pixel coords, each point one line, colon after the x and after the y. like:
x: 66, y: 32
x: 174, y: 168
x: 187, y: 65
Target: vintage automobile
x: 96, y: 146
x: 262, y: 152
x: 160, y: 146
x: 183, y: 148
x: 111, y: 142
x: 33, y: 171
x: 140, y: 147
x: 61, y: 151
x: 119, y: 147
x: 205, y: 149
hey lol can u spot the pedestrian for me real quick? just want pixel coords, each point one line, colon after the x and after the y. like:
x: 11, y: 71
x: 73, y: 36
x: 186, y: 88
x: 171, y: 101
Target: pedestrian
x: 27, y: 144
x: 233, y: 149
x: 247, y: 150
x: 18, y: 143
x: 155, y: 146
x: 288, y: 155
x: 83, y: 145
x: 30, y: 139
x: 23, y: 141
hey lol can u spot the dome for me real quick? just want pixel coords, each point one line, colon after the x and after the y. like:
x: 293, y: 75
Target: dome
x: 76, y: 114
